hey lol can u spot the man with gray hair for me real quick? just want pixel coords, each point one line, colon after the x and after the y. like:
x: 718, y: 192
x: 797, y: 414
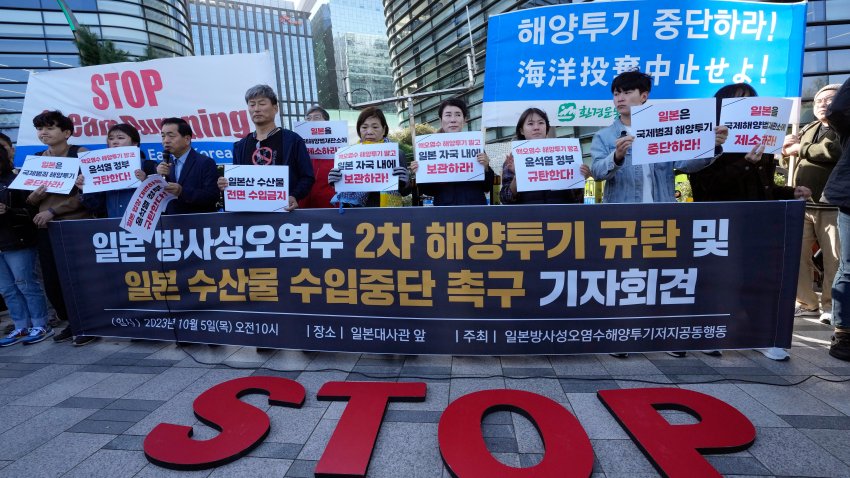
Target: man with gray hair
x: 271, y: 145
x: 817, y: 149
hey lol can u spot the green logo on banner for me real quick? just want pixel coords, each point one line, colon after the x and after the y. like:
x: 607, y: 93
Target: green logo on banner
x: 567, y: 112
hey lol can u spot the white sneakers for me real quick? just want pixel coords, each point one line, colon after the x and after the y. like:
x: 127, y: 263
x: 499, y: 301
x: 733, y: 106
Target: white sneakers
x: 775, y: 353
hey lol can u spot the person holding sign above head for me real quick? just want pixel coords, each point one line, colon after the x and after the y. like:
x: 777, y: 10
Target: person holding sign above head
x: 740, y: 176
x: 453, y: 117
x: 191, y: 175
x: 534, y: 124
x: 113, y: 203
x: 372, y: 128
x: 54, y: 129
x: 611, y: 150
x: 270, y: 145
x: 321, y: 193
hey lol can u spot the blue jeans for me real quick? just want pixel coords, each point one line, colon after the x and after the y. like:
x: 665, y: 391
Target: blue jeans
x: 22, y: 289
x: 841, y: 284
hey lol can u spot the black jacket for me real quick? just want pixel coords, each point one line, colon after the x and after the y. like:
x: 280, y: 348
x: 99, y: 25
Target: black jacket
x: 460, y: 193
x: 732, y: 178
x: 17, y: 230
x: 295, y: 156
x: 837, y: 190
x: 199, y: 179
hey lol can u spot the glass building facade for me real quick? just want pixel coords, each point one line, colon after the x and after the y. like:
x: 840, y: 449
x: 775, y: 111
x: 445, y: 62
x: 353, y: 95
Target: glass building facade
x: 827, y: 57
x: 350, y: 40
x: 226, y: 27
x: 35, y: 36
x: 429, y: 41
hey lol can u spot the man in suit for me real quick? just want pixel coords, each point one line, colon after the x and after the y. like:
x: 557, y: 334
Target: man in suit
x: 191, y: 176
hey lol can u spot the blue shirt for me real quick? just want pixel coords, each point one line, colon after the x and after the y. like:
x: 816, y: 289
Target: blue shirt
x: 178, y: 164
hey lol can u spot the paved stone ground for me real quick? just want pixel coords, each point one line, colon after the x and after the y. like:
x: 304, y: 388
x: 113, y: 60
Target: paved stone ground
x: 84, y: 411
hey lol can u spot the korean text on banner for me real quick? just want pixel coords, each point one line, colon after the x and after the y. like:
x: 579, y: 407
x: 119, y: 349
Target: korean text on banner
x: 446, y: 280
x: 547, y: 164
x: 110, y: 169
x: 449, y: 157
x: 323, y: 138
x: 57, y: 174
x: 146, y: 207
x: 367, y: 167
x: 674, y: 131
x: 563, y: 58
x: 207, y: 91
x: 256, y: 188
x: 754, y: 121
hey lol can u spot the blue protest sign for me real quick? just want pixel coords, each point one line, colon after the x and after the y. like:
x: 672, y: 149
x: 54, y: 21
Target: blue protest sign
x: 563, y: 58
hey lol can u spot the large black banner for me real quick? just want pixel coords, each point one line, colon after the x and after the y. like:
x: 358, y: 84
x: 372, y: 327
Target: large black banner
x: 548, y: 279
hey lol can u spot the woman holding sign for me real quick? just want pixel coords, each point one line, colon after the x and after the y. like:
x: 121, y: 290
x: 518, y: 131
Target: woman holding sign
x: 372, y: 128
x: 453, y: 117
x: 113, y: 203
x: 534, y: 124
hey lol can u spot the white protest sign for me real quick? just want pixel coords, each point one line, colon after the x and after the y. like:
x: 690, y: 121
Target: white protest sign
x: 256, y: 188
x: 367, y: 167
x: 753, y: 121
x: 449, y: 157
x: 58, y: 174
x: 323, y: 138
x: 146, y: 206
x: 546, y: 164
x: 673, y: 131
x: 207, y: 91
x: 110, y: 169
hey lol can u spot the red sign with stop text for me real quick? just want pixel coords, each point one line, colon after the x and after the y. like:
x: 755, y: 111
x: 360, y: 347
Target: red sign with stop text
x: 675, y: 450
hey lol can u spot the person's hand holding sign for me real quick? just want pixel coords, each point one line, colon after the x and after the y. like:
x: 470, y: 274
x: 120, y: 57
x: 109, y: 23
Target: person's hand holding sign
x: 621, y: 147
x: 483, y: 160
x: 174, y: 188
x: 754, y: 156
x: 721, y: 133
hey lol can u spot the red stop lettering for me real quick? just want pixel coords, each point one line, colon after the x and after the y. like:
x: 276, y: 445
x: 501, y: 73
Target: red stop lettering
x: 242, y: 426
x: 137, y: 89
x: 568, y: 449
x: 675, y: 450
x: 350, y: 447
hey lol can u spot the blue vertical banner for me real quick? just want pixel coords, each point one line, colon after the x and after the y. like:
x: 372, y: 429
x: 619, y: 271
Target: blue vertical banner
x: 563, y: 58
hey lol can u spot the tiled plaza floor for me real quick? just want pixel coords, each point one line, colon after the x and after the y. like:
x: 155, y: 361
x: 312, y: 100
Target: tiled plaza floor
x: 84, y: 411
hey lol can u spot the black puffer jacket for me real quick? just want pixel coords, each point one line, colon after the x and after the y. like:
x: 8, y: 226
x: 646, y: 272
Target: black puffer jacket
x: 17, y: 230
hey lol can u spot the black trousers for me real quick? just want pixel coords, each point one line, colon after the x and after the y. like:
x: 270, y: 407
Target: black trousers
x: 50, y: 275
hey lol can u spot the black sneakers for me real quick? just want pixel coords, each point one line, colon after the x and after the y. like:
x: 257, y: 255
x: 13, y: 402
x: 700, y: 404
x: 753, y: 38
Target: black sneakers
x: 66, y: 334
x: 840, y: 347
x: 81, y: 340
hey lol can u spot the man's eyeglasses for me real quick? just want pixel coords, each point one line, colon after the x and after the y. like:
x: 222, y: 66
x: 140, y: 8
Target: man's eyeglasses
x: 824, y: 101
